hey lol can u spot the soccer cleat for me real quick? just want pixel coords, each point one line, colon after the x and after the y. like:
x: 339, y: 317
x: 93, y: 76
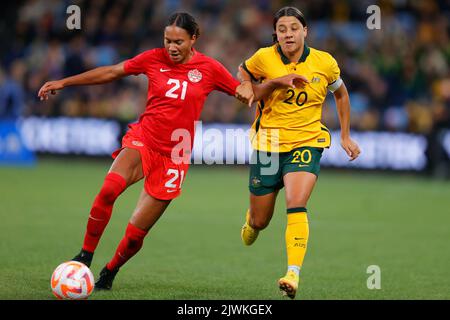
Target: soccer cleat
x: 248, y: 234
x: 106, y: 279
x: 84, y: 257
x: 289, y: 284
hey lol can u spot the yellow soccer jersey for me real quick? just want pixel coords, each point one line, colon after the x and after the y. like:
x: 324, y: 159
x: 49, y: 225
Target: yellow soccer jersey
x: 291, y: 118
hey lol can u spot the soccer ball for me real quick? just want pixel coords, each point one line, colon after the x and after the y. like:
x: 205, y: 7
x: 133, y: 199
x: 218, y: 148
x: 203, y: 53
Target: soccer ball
x: 72, y: 280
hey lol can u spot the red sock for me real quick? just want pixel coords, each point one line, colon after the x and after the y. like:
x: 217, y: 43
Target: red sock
x: 100, y: 214
x: 130, y: 244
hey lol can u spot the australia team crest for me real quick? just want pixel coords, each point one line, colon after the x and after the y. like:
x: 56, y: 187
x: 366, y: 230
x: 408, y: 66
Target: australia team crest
x: 195, y: 76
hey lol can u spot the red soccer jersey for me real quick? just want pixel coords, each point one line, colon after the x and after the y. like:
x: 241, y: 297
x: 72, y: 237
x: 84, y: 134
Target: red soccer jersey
x: 176, y: 94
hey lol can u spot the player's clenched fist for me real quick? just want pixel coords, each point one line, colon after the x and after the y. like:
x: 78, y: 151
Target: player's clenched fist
x: 244, y: 93
x: 351, y: 148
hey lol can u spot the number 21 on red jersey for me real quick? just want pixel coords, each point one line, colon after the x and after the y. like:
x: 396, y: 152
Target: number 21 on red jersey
x: 173, y: 92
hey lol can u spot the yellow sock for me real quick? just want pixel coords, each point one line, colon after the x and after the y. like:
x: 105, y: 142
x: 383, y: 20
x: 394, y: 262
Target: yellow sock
x: 297, y: 232
x: 248, y: 234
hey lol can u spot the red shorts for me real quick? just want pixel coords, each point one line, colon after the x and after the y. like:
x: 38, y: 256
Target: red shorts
x: 163, y: 177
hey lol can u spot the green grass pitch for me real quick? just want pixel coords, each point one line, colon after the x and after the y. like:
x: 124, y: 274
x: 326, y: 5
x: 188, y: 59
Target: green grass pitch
x: 397, y: 222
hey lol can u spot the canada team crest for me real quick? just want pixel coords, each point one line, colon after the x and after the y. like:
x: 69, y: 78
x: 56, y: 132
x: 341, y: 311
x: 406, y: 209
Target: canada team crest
x: 194, y: 76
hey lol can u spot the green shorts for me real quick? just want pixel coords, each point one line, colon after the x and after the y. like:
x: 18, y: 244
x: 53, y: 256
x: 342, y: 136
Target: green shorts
x: 268, y: 169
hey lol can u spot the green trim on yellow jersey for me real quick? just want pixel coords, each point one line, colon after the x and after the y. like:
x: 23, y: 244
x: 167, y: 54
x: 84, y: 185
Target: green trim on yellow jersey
x: 258, y: 119
x: 251, y: 75
x: 286, y: 60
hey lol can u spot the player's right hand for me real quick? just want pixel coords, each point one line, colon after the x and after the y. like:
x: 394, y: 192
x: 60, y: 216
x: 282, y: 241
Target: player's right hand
x: 350, y: 147
x: 292, y: 80
x: 51, y: 87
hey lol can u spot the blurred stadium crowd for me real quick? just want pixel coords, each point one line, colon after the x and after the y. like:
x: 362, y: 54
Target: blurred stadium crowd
x: 398, y: 77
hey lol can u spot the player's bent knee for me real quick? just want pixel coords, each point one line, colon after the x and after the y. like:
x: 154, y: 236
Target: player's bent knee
x: 113, y: 186
x: 108, y: 194
x: 259, y: 224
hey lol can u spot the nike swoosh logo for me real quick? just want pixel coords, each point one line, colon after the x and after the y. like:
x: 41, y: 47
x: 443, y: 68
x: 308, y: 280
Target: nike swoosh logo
x: 164, y: 70
x: 298, y: 238
x: 95, y: 219
x: 303, y: 165
x: 171, y: 191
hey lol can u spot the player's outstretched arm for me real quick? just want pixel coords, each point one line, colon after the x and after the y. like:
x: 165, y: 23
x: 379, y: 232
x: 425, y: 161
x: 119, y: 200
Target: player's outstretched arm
x: 343, y: 107
x: 263, y: 90
x: 95, y: 76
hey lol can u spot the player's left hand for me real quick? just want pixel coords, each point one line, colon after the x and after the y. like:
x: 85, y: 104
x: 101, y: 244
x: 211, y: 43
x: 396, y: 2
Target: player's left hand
x: 351, y: 148
x: 244, y: 93
x: 292, y: 80
x: 49, y: 87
